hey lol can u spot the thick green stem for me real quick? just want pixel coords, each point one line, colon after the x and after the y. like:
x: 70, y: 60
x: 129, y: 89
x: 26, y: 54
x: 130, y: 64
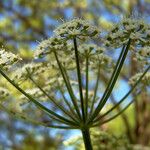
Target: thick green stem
x: 87, y: 86
x: 87, y: 139
x: 79, y: 78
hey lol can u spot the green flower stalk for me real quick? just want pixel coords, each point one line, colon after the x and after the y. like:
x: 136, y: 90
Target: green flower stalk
x: 64, y: 66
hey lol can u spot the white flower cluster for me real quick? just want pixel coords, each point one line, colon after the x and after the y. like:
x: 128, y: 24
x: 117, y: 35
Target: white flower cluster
x: 7, y: 59
x: 4, y: 93
x: 49, y: 45
x: 68, y: 64
x: 95, y: 55
x: 65, y: 53
x: 102, y: 61
x: 78, y: 28
x: 89, y: 50
x: 145, y: 79
x: 145, y: 51
x: 34, y: 69
x: 143, y: 55
x: 129, y: 28
x: 75, y: 28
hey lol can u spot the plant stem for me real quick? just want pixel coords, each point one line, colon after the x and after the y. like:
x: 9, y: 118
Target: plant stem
x: 79, y: 78
x: 95, y: 91
x: 87, y: 86
x: 87, y: 139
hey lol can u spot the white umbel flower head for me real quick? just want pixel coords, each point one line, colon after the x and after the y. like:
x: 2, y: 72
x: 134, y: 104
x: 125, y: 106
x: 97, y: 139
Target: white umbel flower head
x: 76, y: 28
x: 33, y: 69
x: 88, y: 50
x: 7, y: 59
x: 143, y: 55
x: 129, y: 28
x: 49, y: 45
x: 145, y: 79
x: 145, y: 51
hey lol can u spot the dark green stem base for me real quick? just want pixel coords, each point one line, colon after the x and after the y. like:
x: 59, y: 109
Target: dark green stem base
x: 87, y: 139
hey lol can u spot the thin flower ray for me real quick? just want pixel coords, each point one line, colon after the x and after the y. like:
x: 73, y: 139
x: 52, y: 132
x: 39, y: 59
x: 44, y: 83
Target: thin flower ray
x: 27, y: 119
x: 53, y: 100
x: 112, y: 80
x: 126, y: 95
x: 36, y: 102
